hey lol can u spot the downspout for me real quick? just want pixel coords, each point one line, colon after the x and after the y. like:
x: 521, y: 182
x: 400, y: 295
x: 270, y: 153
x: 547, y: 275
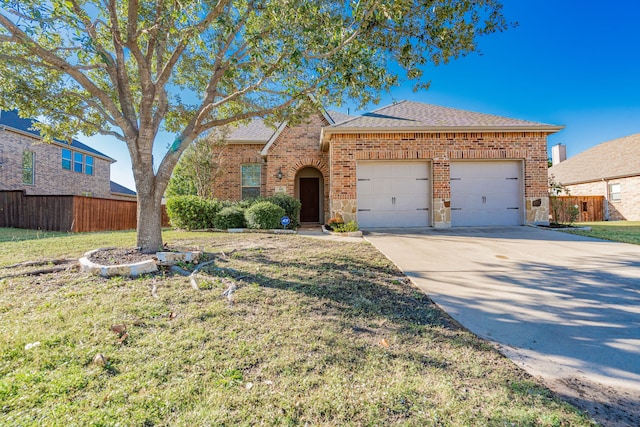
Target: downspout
x: 606, y: 199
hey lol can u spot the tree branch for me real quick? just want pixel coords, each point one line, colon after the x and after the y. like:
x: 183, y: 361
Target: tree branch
x: 61, y: 64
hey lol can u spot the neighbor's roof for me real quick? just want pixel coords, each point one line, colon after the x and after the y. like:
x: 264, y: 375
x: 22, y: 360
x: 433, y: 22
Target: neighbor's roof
x: 121, y: 189
x: 613, y: 159
x: 11, y: 119
x: 416, y: 116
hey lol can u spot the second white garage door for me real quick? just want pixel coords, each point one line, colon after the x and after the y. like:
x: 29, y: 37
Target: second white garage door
x: 393, y: 194
x: 486, y: 193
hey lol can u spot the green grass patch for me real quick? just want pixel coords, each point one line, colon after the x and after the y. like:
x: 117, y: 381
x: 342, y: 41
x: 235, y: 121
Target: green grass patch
x: 618, y: 231
x: 319, y: 333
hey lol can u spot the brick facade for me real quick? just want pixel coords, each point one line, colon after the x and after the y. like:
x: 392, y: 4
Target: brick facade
x: 628, y: 208
x: 299, y: 152
x: 50, y: 178
x: 295, y: 150
x: 440, y: 149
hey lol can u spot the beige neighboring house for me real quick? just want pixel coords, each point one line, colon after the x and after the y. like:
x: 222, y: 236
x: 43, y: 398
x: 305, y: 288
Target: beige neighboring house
x: 610, y: 169
x: 408, y: 164
x: 59, y: 168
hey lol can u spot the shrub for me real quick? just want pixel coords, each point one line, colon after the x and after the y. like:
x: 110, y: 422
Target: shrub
x: 229, y: 217
x: 192, y: 212
x: 347, y: 227
x: 333, y: 223
x: 264, y: 215
x: 291, y: 206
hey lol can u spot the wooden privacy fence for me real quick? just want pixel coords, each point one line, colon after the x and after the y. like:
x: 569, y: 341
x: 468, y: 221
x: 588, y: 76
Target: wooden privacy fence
x: 68, y: 213
x: 590, y: 208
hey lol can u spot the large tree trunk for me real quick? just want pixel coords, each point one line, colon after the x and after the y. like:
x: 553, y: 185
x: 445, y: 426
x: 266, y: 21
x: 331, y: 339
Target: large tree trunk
x: 150, y: 190
x: 149, y: 227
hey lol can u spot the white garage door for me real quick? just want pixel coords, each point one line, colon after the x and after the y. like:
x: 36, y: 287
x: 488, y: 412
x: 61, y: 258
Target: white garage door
x: 486, y: 193
x: 393, y: 194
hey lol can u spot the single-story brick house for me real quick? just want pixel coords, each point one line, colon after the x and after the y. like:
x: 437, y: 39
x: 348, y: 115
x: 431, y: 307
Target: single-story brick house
x: 610, y: 169
x: 405, y: 165
x: 59, y: 168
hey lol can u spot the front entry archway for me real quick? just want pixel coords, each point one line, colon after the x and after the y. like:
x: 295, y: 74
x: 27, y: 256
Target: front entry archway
x: 310, y: 192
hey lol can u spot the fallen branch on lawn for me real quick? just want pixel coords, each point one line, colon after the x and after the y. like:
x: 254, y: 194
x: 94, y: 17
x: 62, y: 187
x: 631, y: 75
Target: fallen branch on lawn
x: 192, y: 276
x: 41, y: 262
x: 42, y: 271
x: 229, y: 292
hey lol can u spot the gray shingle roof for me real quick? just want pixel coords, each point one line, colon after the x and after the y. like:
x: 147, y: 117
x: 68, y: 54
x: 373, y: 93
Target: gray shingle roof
x: 120, y: 189
x: 613, y: 159
x: 411, y: 115
x: 11, y: 119
x: 338, y: 117
x: 254, y: 132
x: 257, y: 131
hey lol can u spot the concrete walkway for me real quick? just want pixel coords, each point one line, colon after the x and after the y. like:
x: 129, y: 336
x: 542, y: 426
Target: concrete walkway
x: 565, y: 308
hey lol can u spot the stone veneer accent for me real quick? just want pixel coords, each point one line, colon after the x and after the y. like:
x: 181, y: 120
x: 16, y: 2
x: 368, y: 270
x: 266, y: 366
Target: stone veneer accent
x: 347, y: 149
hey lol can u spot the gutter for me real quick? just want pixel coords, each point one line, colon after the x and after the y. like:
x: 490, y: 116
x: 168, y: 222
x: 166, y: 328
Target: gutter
x: 328, y: 131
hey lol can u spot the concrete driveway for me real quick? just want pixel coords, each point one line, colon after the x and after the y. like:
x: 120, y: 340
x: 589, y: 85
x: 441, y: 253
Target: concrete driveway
x: 565, y: 308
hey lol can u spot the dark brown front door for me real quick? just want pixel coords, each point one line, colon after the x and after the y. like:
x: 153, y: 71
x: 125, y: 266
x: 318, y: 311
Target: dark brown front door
x: 310, y: 198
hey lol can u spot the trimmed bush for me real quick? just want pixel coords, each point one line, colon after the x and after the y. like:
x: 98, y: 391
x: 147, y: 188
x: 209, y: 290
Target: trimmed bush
x: 348, y: 227
x: 264, y: 215
x: 192, y: 212
x: 230, y: 217
x: 291, y: 206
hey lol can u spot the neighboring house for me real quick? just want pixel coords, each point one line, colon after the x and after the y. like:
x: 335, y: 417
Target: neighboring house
x: 610, y: 169
x: 405, y: 165
x: 122, y: 193
x: 58, y: 168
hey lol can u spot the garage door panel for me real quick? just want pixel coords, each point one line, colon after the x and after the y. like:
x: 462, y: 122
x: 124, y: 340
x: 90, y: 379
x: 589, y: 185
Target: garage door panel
x: 486, y: 193
x: 393, y: 194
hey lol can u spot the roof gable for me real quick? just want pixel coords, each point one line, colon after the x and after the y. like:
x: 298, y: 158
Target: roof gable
x: 12, y: 120
x: 417, y: 116
x: 612, y: 159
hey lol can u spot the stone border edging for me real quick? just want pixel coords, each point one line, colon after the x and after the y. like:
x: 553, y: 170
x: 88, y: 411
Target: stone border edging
x: 135, y: 269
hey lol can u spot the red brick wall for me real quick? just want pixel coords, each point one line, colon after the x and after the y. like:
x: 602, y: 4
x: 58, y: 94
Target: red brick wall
x: 296, y: 148
x: 227, y: 184
x: 440, y: 148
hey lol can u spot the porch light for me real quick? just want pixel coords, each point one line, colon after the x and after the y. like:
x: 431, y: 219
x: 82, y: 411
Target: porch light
x: 279, y: 174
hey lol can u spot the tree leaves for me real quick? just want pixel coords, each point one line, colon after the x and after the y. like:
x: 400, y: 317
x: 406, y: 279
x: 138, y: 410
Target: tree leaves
x: 131, y: 69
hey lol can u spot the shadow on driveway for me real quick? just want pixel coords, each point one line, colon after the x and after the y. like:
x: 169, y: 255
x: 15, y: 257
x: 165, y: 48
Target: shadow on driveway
x: 564, y: 307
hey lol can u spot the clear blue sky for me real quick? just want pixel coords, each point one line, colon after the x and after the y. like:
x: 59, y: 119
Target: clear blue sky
x: 569, y: 62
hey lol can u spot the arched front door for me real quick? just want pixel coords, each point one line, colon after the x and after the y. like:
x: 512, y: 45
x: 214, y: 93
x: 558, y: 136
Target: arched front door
x: 310, y: 191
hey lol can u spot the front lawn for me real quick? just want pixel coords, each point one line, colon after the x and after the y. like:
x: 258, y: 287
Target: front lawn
x: 619, y: 231
x: 317, y: 333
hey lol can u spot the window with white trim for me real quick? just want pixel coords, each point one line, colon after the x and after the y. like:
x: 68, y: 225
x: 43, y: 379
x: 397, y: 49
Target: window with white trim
x: 28, y: 167
x: 615, y: 193
x: 88, y: 165
x: 250, y: 181
x: 78, y: 162
x: 66, y: 159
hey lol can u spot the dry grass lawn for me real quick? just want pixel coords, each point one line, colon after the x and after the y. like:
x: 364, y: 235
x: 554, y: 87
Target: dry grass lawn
x: 317, y: 333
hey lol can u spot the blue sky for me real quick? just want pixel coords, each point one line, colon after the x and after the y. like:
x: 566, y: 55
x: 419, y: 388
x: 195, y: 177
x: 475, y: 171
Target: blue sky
x: 569, y: 62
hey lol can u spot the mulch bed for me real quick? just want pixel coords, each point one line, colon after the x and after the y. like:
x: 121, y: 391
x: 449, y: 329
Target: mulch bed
x: 119, y: 256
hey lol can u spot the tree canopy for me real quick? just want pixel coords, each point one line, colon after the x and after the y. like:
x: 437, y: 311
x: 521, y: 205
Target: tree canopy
x: 130, y: 69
